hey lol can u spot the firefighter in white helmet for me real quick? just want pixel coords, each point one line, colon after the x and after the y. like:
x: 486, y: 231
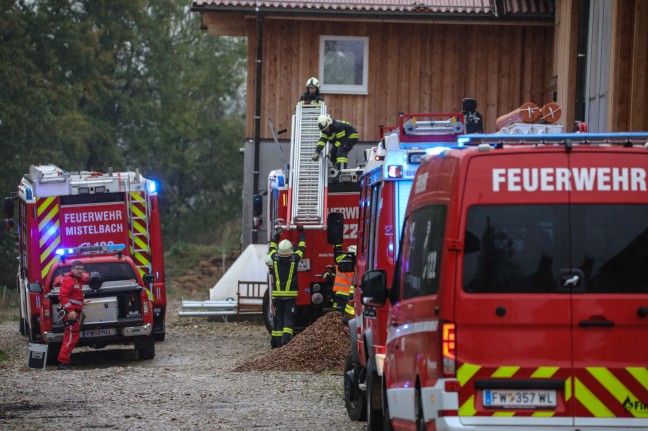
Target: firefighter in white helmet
x: 342, y: 136
x: 312, y: 94
x: 285, y: 287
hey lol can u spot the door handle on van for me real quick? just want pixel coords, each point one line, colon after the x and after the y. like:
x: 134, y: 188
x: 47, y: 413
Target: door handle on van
x: 596, y: 323
x: 642, y: 311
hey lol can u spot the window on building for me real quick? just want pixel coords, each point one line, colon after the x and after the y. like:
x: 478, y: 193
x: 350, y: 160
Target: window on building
x: 344, y: 63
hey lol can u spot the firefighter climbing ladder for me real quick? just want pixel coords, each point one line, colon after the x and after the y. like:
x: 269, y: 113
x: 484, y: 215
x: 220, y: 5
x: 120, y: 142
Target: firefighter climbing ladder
x: 308, y: 179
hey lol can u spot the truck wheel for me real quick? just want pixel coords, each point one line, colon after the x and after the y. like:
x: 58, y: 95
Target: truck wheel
x: 268, y: 315
x: 354, y: 399
x: 374, y: 402
x: 387, y: 425
x: 21, y: 326
x: 145, y: 347
x: 53, y: 350
x: 418, y: 406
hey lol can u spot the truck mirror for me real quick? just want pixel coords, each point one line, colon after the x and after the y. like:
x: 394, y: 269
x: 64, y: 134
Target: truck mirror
x: 35, y: 287
x: 257, y: 205
x: 335, y: 228
x: 95, y: 281
x: 148, y: 278
x: 374, y: 288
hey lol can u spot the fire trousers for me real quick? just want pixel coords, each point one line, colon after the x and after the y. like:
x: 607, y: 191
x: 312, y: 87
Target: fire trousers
x: 70, y: 339
x: 284, y: 319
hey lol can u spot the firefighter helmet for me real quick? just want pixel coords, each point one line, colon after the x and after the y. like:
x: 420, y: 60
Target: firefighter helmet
x: 312, y: 82
x: 323, y: 121
x: 285, y: 248
x: 352, y: 249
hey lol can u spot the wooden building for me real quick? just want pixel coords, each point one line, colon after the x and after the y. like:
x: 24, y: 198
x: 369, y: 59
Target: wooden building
x: 376, y: 58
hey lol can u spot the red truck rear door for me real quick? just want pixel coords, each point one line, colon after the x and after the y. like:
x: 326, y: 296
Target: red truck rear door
x: 609, y: 235
x: 513, y: 322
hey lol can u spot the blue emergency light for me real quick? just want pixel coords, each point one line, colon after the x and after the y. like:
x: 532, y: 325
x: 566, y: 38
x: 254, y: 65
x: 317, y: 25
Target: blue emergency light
x: 89, y: 249
x: 151, y: 186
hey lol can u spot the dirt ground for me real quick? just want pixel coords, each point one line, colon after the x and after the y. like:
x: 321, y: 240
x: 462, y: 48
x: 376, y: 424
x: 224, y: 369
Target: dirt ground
x: 191, y: 384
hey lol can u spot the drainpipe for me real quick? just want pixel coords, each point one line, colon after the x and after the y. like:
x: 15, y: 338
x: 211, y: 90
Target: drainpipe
x: 581, y: 62
x: 257, y: 113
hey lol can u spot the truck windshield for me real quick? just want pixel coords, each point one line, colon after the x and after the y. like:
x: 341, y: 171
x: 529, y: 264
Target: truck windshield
x: 109, y: 271
x: 523, y: 248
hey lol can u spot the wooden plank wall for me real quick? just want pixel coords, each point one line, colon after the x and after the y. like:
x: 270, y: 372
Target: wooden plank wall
x: 413, y: 68
x: 629, y: 67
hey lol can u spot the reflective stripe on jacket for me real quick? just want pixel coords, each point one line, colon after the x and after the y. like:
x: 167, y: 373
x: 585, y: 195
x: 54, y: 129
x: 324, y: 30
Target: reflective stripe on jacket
x: 285, y: 269
x: 342, y: 283
x: 337, y: 134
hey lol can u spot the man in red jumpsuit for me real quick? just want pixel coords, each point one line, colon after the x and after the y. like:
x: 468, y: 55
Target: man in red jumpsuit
x: 71, y: 299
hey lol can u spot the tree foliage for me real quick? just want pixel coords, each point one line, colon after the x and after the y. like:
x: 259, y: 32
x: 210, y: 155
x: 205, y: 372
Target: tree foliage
x: 127, y: 84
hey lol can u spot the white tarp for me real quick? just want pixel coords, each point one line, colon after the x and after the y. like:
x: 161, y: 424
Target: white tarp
x: 250, y: 266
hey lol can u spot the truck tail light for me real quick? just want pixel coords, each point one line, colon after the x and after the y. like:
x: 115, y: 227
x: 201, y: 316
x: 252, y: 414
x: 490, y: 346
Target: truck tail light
x: 146, y: 305
x: 47, y: 318
x: 449, y: 348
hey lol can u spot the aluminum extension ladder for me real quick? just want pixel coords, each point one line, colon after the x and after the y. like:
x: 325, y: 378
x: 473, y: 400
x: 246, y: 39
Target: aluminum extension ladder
x: 138, y: 216
x: 308, y: 179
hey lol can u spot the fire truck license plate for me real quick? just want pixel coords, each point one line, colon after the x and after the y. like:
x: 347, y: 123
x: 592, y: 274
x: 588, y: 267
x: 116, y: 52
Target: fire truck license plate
x: 519, y: 399
x: 98, y: 332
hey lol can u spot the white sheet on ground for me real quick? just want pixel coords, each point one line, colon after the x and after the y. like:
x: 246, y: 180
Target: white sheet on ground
x: 250, y: 266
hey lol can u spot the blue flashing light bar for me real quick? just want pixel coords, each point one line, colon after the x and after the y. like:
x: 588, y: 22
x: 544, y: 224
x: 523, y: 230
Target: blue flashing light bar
x: 552, y: 138
x: 90, y: 249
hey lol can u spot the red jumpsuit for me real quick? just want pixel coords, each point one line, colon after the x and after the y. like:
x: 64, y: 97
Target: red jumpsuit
x: 71, y: 299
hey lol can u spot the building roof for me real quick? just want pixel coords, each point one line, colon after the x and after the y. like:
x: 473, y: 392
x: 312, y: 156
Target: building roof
x: 511, y: 8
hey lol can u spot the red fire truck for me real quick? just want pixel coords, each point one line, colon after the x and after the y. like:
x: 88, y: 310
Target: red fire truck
x: 305, y: 195
x: 110, y: 222
x: 520, y: 294
x: 386, y: 183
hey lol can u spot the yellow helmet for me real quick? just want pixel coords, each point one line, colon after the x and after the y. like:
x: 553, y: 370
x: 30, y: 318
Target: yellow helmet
x: 312, y: 82
x: 323, y: 121
x: 285, y: 248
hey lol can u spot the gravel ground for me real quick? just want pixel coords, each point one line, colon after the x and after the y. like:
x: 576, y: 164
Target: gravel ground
x: 189, y: 385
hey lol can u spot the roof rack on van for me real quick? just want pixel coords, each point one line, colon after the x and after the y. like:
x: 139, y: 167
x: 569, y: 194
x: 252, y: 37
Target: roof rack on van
x: 626, y: 139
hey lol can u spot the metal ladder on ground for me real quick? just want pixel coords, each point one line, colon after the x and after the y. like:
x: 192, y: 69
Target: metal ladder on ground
x: 308, y: 178
x: 138, y: 216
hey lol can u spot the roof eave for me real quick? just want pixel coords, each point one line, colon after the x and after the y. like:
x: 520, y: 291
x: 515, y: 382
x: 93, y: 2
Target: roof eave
x: 371, y: 14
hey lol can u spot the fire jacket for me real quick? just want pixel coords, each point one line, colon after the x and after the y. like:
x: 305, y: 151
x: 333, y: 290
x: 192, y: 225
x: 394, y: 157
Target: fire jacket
x: 311, y: 98
x: 71, y: 293
x: 340, y: 134
x: 342, y: 283
x: 285, y: 268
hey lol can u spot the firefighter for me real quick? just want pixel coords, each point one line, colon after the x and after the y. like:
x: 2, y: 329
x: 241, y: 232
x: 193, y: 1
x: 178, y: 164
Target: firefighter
x: 312, y: 94
x: 71, y: 300
x: 342, y: 284
x: 349, y: 309
x: 342, y: 135
x: 285, y: 287
x: 473, y: 119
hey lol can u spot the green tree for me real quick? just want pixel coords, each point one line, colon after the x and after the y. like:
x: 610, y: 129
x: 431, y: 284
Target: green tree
x: 92, y: 84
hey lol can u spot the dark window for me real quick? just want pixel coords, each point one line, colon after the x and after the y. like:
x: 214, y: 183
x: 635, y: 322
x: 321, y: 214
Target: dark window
x: 523, y: 248
x: 109, y: 271
x: 421, y: 263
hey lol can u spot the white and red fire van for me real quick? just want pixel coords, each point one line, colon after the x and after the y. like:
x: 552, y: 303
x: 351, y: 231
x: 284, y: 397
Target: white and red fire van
x: 520, y: 294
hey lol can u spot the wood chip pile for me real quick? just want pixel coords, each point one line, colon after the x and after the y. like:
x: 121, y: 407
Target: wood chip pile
x: 323, y: 346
